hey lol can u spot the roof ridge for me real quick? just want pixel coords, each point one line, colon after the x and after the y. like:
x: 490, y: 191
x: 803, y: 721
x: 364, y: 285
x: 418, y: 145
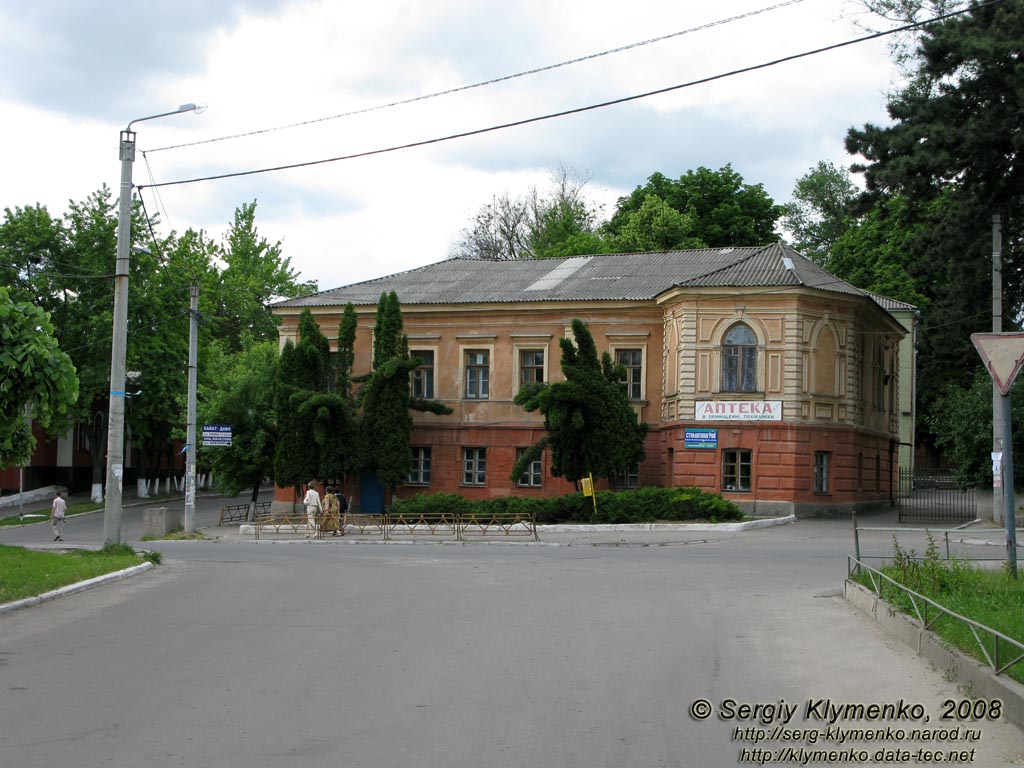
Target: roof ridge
x: 758, y: 250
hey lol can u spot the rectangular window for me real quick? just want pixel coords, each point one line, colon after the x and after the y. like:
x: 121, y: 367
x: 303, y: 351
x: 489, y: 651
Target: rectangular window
x: 419, y: 474
x: 474, y: 466
x: 532, y: 476
x: 633, y: 361
x: 737, y: 464
x: 477, y: 374
x: 821, y: 460
x: 423, y: 374
x: 627, y: 480
x: 531, y: 366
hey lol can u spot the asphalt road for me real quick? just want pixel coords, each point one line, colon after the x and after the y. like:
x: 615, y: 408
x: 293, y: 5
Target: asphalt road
x: 341, y: 654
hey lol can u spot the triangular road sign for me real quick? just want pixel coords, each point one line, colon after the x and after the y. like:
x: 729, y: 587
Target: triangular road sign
x: 1003, y: 354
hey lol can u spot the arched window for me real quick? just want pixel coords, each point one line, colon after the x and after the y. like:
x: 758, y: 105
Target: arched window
x: 739, y: 360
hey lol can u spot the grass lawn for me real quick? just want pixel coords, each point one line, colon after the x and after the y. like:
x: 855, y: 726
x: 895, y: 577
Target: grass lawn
x: 989, y: 597
x: 26, y: 572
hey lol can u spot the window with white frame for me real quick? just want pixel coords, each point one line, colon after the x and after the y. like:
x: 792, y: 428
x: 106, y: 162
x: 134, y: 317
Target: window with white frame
x: 633, y: 361
x: 531, y: 478
x: 419, y: 473
x: 423, y: 374
x: 739, y: 360
x: 474, y: 466
x: 531, y: 366
x: 737, y: 469
x: 477, y: 374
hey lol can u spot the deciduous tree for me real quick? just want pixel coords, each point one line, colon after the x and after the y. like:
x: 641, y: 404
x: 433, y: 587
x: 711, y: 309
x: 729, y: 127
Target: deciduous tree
x: 37, y: 379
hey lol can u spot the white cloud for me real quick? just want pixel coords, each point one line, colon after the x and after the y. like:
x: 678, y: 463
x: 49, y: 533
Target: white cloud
x: 274, y: 63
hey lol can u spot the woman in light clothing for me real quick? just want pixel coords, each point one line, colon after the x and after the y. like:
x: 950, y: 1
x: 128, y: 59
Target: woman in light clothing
x: 313, y: 505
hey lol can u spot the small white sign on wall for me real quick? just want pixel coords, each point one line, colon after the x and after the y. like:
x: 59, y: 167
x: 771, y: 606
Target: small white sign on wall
x: 738, y: 410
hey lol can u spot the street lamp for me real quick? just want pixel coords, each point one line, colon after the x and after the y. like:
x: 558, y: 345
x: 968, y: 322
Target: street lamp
x: 119, y: 344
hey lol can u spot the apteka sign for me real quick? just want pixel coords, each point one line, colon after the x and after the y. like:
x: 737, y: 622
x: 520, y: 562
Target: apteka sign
x: 738, y: 410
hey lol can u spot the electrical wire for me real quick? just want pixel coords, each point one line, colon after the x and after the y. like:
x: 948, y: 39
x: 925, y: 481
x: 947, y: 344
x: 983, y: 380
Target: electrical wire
x: 493, y: 81
x: 576, y: 110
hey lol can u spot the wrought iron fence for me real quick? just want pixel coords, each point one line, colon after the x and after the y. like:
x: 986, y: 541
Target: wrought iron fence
x: 934, y: 496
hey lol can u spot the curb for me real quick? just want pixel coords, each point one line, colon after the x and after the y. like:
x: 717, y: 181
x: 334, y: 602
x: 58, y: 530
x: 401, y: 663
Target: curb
x: 248, y: 529
x: 653, y: 527
x: 966, y: 670
x: 72, y: 589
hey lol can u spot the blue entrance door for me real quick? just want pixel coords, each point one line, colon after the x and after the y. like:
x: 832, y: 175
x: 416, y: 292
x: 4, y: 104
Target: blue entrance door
x: 371, y: 495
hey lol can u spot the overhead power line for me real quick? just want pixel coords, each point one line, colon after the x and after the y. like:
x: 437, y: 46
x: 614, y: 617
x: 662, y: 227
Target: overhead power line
x: 492, y: 81
x: 576, y: 110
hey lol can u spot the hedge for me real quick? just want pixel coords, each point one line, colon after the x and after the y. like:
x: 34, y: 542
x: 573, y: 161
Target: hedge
x: 645, y: 505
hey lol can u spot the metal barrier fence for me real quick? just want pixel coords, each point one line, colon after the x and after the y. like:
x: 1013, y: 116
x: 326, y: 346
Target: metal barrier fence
x: 287, y: 521
x: 464, y: 527
x: 979, y: 545
x: 934, y: 496
x: 239, y: 513
x: 921, y: 606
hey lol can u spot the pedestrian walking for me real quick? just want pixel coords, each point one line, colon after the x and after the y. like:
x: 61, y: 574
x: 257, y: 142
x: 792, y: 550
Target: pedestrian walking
x: 57, y: 511
x: 313, y: 505
x: 331, y: 520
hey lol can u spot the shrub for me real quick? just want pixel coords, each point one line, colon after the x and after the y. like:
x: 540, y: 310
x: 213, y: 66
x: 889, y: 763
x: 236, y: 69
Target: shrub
x: 644, y: 505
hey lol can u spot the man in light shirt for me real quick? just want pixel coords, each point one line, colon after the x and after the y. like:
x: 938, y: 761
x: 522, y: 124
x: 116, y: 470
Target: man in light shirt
x: 57, y: 517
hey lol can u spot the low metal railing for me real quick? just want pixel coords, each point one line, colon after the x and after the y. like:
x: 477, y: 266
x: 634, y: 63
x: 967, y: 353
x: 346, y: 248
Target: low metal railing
x: 239, y: 513
x: 287, y: 522
x: 420, y: 524
x: 965, y: 537
x: 498, y: 524
x: 463, y: 526
x: 921, y: 605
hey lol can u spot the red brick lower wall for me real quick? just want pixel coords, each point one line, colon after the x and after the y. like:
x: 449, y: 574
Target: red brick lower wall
x: 782, y: 457
x: 862, y: 464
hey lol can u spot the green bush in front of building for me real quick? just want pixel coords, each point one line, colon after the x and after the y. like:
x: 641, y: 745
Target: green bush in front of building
x: 645, y: 505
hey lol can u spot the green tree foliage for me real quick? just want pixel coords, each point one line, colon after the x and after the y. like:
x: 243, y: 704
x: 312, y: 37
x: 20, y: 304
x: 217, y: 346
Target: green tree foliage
x: 344, y: 368
x: 962, y: 420
x: 723, y: 209
x: 591, y: 427
x: 385, y: 398
x: 821, y: 211
x: 953, y: 153
x: 655, y: 226
x: 386, y: 423
x: 255, y: 274
x: 37, y: 379
x: 315, y: 425
x: 65, y: 266
x: 31, y: 244
x: 238, y: 394
x: 878, y: 252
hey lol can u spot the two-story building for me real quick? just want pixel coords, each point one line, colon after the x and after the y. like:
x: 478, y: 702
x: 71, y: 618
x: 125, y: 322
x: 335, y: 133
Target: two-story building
x: 761, y: 375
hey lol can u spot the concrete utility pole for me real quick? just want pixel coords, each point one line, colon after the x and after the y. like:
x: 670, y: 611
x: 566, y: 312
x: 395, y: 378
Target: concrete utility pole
x: 997, y: 327
x: 1003, y: 355
x: 119, y: 342
x: 190, y: 436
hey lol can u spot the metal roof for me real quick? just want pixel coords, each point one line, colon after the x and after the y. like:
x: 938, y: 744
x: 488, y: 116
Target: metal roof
x: 604, y: 277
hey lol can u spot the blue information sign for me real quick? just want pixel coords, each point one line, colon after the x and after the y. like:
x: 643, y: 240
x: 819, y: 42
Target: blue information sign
x: 217, y: 434
x: 701, y: 438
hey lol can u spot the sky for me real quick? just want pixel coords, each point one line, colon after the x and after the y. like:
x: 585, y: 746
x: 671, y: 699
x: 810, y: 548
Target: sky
x: 280, y: 79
